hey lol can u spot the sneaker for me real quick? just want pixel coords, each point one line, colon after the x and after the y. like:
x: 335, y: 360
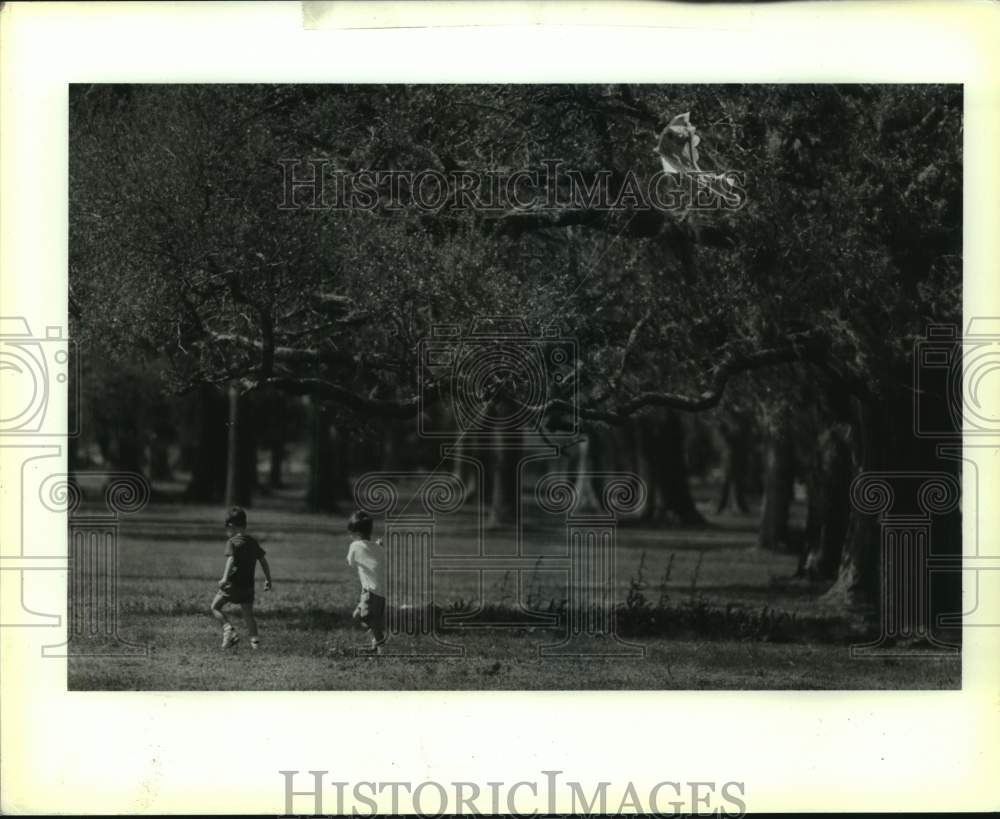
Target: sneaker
x: 255, y: 643
x: 229, y: 636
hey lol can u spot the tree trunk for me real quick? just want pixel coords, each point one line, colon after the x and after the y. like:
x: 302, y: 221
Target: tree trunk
x: 208, y: 468
x: 829, y: 485
x: 884, y: 440
x: 72, y: 454
x: 503, y: 482
x: 642, y: 440
x: 241, y: 450
x: 159, y: 460
x: 778, y: 486
x: 671, y: 461
x: 857, y: 583
x: 164, y: 434
x: 698, y: 447
x: 735, y: 434
x: 617, y: 450
x: 857, y: 580
x: 662, y: 465
x: 502, y: 485
x: 104, y: 447
x: 466, y: 472
x: 232, y: 446
x: 128, y: 457
x: 321, y: 495
x: 585, y: 479
x: 392, y: 445
x: 341, y: 478
x: 276, y: 465
x: 246, y: 451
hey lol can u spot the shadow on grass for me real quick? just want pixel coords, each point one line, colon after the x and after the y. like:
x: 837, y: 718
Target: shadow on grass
x: 689, y: 619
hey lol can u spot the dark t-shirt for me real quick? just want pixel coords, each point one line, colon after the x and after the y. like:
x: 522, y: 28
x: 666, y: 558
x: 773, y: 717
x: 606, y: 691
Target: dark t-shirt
x: 245, y: 552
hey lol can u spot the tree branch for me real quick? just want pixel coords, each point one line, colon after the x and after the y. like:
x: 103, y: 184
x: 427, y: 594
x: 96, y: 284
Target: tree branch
x: 800, y: 347
x: 329, y: 391
x: 306, y: 355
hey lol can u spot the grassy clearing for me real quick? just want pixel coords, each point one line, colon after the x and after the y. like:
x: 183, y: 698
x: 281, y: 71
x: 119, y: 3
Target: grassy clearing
x: 702, y: 604
x: 302, y: 655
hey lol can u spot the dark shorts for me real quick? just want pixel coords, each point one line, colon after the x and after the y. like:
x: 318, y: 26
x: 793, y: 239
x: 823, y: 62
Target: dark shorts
x: 236, y: 595
x: 370, y: 611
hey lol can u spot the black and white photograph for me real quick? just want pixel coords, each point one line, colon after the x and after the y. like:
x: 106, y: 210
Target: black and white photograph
x: 516, y: 386
x: 482, y: 407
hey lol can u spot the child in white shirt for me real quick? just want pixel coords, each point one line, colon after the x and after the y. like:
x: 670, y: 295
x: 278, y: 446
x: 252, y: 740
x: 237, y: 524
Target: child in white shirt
x: 368, y: 557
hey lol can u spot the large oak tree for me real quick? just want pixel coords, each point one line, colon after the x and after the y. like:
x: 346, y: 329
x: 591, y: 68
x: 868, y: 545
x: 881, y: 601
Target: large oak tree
x: 848, y: 245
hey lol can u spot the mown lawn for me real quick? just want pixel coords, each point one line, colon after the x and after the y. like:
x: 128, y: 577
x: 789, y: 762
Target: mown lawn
x: 707, y: 611
x: 185, y: 656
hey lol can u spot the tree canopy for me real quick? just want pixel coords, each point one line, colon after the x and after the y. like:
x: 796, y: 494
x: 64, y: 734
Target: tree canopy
x: 849, y: 240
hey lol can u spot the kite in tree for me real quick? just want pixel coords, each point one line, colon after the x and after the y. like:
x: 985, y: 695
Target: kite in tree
x: 677, y: 145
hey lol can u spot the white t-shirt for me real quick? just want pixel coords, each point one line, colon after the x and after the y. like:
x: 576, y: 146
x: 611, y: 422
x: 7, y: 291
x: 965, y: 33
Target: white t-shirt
x: 368, y: 557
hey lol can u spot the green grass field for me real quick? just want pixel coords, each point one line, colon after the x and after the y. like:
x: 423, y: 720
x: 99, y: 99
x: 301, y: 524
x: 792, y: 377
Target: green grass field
x: 706, y: 608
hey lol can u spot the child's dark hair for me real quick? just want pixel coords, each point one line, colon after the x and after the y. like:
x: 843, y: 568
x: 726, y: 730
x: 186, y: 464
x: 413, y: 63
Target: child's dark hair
x: 360, y: 523
x: 236, y: 517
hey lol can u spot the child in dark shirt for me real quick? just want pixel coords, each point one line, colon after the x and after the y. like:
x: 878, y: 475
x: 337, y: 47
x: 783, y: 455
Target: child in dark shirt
x: 237, y: 583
